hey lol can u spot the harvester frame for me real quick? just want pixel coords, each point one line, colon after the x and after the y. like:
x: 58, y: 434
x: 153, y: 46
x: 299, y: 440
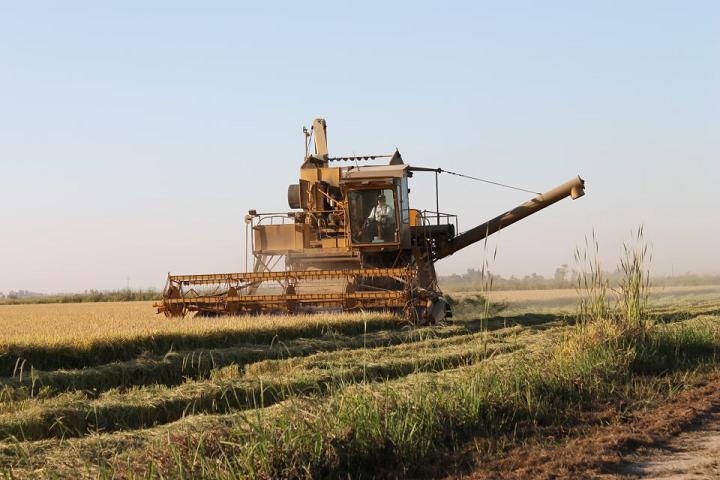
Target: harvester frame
x: 351, y: 241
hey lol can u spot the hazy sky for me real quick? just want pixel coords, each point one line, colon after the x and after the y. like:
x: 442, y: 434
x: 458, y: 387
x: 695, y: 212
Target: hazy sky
x: 134, y: 136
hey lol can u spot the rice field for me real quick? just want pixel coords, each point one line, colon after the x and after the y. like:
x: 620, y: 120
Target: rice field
x: 567, y: 298
x: 112, y: 390
x: 84, y: 323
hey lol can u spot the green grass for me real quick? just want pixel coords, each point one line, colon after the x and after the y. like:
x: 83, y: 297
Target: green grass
x: 403, y: 427
x: 231, y: 388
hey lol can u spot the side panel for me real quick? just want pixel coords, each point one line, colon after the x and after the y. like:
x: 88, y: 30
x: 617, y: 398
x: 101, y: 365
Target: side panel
x: 330, y: 175
x: 280, y: 239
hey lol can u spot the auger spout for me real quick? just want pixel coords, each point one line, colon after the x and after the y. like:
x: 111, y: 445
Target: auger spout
x: 574, y: 188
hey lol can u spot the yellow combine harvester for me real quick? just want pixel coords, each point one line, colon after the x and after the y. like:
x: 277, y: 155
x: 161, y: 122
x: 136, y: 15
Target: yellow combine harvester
x: 351, y: 241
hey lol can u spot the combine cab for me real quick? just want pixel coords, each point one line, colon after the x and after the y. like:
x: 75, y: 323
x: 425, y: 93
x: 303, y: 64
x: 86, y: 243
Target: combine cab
x: 351, y: 241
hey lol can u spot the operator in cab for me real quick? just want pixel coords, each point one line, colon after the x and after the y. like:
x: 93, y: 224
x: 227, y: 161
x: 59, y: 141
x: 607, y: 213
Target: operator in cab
x: 383, y: 216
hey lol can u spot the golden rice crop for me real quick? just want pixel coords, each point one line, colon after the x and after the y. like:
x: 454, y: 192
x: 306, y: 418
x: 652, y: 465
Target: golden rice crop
x: 80, y: 323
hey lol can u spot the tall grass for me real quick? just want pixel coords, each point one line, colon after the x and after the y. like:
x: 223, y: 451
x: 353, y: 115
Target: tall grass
x: 629, y: 307
x: 635, y: 282
x: 592, y: 286
x: 626, y: 324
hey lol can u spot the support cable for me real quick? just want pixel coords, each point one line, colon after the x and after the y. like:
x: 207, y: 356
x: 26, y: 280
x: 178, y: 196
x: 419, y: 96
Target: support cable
x: 440, y: 170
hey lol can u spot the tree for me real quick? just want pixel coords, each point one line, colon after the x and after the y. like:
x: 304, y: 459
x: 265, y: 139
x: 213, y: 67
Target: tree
x: 561, y: 273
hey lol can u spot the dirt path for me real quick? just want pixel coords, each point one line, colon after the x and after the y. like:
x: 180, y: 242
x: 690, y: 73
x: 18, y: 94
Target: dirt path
x: 678, y: 440
x: 690, y: 455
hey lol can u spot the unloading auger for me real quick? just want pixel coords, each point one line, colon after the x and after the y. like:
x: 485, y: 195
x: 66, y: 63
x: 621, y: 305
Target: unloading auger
x: 351, y: 241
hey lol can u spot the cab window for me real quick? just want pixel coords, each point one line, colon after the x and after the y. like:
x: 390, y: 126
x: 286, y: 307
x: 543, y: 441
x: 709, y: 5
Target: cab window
x: 372, y: 215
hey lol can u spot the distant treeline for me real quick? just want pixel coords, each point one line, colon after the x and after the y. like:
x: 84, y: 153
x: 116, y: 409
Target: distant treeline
x: 477, y: 280
x: 124, y: 295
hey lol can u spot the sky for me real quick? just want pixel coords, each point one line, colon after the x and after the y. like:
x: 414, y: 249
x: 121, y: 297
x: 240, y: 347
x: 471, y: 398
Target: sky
x: 134, y: 136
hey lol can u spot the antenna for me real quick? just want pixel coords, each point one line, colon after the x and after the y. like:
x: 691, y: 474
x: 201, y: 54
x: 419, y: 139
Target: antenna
x: 306, y: 133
